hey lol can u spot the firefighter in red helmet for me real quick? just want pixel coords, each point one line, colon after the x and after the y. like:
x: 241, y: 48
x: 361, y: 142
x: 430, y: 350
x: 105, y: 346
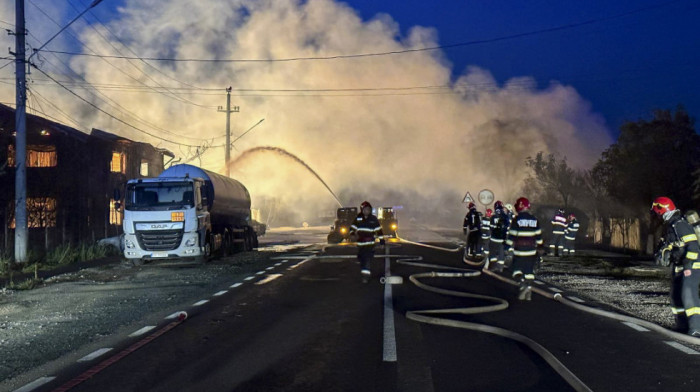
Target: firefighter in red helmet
x: 485, y: 234
x: 681, y: 244
x: 367, y: 229
x: 525, y: 236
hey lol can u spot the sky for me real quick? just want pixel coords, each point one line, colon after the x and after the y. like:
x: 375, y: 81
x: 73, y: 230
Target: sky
x: 625, y: 67
x: 463, y: 118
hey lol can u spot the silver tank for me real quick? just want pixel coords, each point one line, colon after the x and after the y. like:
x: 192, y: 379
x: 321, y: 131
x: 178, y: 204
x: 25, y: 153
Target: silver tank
x: 228, y: 200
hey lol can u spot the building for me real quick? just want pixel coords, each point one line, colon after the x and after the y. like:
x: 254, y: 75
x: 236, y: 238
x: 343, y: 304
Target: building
x: 71, y: 178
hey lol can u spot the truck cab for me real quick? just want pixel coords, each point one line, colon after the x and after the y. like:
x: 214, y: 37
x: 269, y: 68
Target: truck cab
x: 387, y: 218
x: 166, y: 218
x: 341, y: 227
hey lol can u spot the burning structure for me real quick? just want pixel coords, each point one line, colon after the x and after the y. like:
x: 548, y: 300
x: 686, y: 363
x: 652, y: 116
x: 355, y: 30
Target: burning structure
x: 70, y: 178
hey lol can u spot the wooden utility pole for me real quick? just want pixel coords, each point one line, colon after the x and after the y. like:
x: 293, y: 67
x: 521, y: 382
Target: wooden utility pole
x: 228, y: 112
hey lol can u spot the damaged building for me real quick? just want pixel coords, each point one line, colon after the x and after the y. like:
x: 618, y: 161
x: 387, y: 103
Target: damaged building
x: 71, y: 177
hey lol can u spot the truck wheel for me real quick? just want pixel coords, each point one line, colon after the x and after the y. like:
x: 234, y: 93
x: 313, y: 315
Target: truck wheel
x: 137, y: 262
x: 256, y: 244
x: 248, y: 241
x: 207, y: 251
x: 334, y: 238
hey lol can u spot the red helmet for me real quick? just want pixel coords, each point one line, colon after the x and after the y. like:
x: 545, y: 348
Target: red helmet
x: 489, y: 212
x: 498, y: 205
x: 662, y: 205
x: 522, y: 204
x: 365, y: 204
x: 471, y: 205
x: 572, y: 217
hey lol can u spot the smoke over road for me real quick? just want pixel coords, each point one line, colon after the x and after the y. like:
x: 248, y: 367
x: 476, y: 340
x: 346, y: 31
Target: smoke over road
x: 389, y: 129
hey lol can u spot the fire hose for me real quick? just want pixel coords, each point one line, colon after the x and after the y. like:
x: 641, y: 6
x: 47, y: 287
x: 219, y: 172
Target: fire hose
x: 431, y: 316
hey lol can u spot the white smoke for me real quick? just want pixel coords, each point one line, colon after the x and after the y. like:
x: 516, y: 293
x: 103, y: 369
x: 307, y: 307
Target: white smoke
x: 404, y: 146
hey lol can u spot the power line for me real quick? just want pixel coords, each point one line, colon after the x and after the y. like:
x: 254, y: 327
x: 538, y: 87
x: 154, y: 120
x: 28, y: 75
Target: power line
x: 113, y: 116
x: 563, y: 27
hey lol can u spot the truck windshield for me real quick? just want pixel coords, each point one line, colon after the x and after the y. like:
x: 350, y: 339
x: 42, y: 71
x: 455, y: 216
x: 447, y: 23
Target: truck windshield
x: 159, y: 195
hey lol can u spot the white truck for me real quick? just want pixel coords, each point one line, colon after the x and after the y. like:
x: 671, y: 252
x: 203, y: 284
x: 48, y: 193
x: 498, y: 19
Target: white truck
x: 187, y: 213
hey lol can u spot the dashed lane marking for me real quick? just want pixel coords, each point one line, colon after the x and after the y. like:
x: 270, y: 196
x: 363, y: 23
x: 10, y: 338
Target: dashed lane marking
x: 556, y: 290
x: 35, y: 384
x: 200, y: 303
x: 269, y: 279
x: 389, y: 346
x: 576, y: 299
x: 299, y: 263
x: 220, y: 293
x: 259, y: 272
x: 269, y: 268
x: 174, y: 315
x: 635, y: 326
x: 141, y: 331
x: 539, y: 282
x: 278, y: 264
x: 682, y: 348
x: 249, y: 278
x: 233, y: 286
x: 284, y: 261
x: 95, y: 354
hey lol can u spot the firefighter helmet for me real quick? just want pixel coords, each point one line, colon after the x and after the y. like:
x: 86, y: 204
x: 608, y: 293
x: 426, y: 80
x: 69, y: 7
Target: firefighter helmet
x: 663, y: 205
x: 498, y: 205
x: 365, y: 204
x: 561, y: 211
x: 572, y: 217
x: 471, y: 206
x: 522, y: 204
x: 489, y: 212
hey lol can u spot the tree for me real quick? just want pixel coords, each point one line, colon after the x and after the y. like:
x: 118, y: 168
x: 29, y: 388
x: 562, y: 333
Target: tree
x: 652, y: 158
x: 552, y: 180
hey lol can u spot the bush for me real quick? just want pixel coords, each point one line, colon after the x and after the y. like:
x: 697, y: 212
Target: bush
x: 67, y: 254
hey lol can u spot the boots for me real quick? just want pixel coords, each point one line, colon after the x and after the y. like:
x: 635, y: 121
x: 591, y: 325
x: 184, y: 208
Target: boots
x: 525, y: 292
x: 681, y: 323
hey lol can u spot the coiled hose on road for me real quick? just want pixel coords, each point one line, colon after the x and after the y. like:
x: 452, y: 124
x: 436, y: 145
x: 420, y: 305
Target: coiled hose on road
x: 430, y: 316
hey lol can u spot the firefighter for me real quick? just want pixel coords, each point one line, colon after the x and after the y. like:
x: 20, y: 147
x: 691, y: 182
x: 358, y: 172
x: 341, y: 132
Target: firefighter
x: 367, y: 229
x: 500, y: 222
x: 525, y: 235
x: 570, y: 235
x: 559, y: 223
x: 485, y: 234
x: 681, y: 242
x: 471, y: 227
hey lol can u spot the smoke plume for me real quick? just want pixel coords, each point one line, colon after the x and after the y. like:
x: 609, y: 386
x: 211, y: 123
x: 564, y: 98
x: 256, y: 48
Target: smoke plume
x: 422, y: 148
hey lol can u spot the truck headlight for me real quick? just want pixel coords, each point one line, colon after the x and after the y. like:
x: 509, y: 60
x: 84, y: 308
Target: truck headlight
x: 393, y: 226
x: 343, y: 230
x: 129, y: 244
x: 191, y: 242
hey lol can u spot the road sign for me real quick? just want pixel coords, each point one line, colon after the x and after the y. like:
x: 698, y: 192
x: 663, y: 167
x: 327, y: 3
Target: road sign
x: 468, y: 198
x: 486, y: 197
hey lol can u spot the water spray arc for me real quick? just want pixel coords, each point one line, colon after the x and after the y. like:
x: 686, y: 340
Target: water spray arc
x: 282, y: 152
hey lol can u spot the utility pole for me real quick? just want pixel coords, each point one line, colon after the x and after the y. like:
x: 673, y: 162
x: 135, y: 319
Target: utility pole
x: 21, y: 232
x: 228, y: 112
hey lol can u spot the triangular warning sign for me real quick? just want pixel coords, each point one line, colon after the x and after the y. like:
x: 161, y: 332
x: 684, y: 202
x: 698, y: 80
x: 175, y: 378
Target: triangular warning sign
x: 468, y: 198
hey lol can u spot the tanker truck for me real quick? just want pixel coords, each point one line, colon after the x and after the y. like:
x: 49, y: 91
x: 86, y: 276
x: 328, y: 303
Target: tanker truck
x: 186, y: 213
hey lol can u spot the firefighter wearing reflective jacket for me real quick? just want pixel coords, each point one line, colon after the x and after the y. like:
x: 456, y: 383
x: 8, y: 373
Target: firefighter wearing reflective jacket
x: 559, y: 223
x: 570, y: 235
x: 525, y: 235
x: 367, y: 229
x: 485, y: 233
x: 681, y: 242
x: 500, y: 222
x: 471, y: 227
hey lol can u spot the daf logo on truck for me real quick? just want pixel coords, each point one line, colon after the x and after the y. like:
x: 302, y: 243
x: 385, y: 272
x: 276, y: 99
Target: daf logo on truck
x: 187, y: 213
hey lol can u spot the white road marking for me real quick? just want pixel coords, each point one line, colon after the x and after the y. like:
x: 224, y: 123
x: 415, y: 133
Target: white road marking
x: 576, y: 299
x: 299, y: 263
x: 174, y: 315
x: 233, y: 286
x: 556, y: 290
x: 200, y: 303
x: 35, y: 384
x: 259, y: 272
x: 141, y: 331
x: 94, y: 354
x: 249, y: 278
x: 269, y: 268
x: 389, y: 349
x: 539, y: 282
x: 220, y: 293
x: 284, y: 261
x: 269, y: 279
x: 635, y: 326
x: 682, y: 348
x: 278, y: 264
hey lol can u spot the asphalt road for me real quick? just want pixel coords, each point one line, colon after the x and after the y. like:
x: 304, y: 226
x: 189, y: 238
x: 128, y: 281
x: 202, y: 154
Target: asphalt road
x: 309, y: 324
